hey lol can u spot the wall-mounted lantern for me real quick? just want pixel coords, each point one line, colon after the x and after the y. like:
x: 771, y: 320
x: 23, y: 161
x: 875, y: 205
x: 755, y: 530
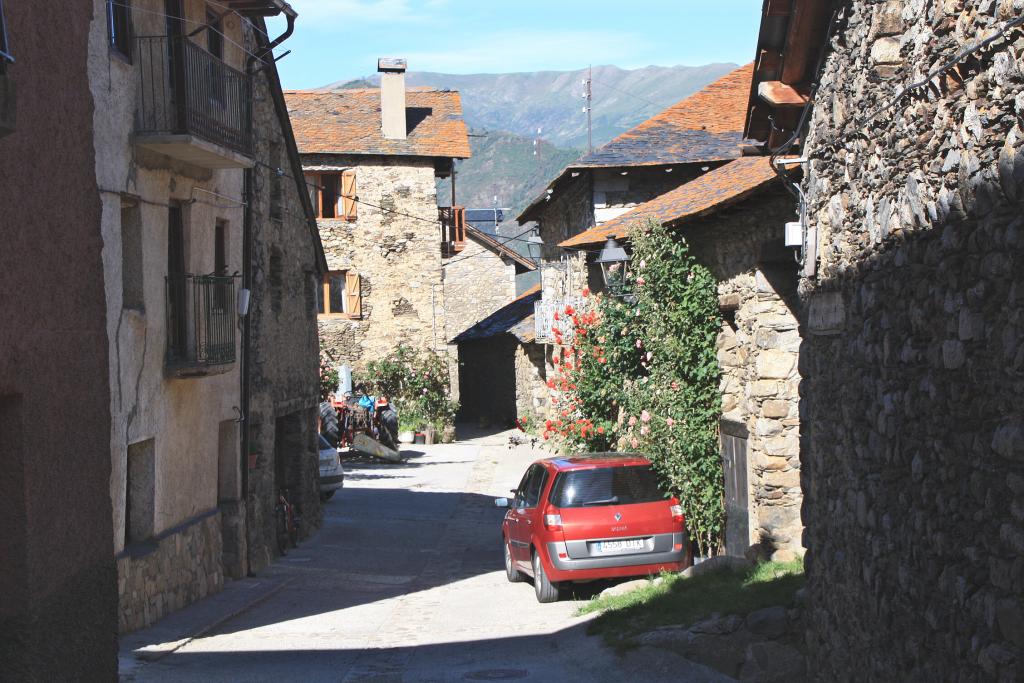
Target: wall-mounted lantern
x: 614, y: 262
x: 535, y: 246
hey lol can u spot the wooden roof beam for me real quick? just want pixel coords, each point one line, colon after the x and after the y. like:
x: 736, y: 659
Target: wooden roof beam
x: 778, y: 94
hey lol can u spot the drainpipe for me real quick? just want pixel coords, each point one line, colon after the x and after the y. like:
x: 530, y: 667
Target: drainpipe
x: 246, y: 328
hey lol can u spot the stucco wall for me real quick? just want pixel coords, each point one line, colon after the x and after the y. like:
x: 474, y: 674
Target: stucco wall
x: 913, y: 438
x: 58, y: 581
x: 758, y: 350
x: 182, y: 416
x: 397, y: 254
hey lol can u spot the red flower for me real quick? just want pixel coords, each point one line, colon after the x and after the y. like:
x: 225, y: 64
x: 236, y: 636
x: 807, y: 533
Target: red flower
x: 600, y: 430
x: 569, y: 310
x: 586, y: 291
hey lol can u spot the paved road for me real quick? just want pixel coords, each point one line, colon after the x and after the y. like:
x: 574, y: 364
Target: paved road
x: 405, y: 582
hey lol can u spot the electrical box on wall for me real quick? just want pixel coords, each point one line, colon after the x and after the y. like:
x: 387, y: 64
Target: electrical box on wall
x: 795, y: 234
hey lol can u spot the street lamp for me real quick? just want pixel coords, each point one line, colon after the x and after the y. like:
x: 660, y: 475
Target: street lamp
x: 614, y: 262
x: 535, y: 243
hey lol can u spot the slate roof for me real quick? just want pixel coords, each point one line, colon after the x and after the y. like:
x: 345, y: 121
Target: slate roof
x: 511, y: 318
x: 704, y: 127
x: 723, y: 186
x: 500, y: 245
x: 348, y: 122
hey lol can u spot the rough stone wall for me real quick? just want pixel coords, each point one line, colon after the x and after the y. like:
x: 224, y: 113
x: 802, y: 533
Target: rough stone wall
x: 532, y: 393
x: 164, y: 575
x: 913, y: 438
x: 477, y: 282
x: 397, y: 256
x: 616, y: 194
x: 284, y: 361
x: 570, y: 212
x: 58, y: 580
x: 758, y: 351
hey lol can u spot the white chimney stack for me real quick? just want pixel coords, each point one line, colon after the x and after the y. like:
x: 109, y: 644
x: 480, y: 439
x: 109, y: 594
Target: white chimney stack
x: 392, y: 97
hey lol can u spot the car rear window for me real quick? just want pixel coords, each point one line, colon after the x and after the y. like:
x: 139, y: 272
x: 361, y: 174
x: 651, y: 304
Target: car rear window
x: 606, y: 486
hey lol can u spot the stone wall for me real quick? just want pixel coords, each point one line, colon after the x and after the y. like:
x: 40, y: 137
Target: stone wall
x: 913, y: 437
x: 173, y: 570
x: 397, y: 254
x: 533, y: 397
x: 757, y: 350
x: 477, y: 282
x: 284, y: 362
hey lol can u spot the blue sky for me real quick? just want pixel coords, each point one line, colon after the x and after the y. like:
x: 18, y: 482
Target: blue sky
x: 341, y: 39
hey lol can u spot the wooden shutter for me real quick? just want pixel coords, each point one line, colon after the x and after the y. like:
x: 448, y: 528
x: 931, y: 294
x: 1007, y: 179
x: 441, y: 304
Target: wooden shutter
x: 348, y: 195
x: 313, y: 185
x: 353, y: 295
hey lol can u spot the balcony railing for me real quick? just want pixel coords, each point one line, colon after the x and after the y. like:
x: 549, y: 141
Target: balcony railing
x: 545, y: 324
x: 453, y: 229
x: 185, y: 90
x: 200, y: 324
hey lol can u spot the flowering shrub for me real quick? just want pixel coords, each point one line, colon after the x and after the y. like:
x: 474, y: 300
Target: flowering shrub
x: 641, y: 373
x: 328, y: 379
x: 417, y: 384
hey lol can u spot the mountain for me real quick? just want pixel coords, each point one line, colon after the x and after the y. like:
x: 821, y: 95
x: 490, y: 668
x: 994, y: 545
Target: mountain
x: 505, y: 111
x: 521, y: 103
x: 504, y: 165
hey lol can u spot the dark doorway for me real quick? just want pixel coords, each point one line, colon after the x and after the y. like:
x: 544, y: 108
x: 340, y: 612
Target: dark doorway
x: 737, y: 510
x: 487, y: 381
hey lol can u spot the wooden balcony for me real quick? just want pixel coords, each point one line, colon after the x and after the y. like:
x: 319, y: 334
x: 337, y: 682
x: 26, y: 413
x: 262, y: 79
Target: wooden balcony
x: 453, y: 229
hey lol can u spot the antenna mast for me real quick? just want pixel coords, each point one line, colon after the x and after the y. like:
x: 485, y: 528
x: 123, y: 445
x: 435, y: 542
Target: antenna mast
x: 588, y: 93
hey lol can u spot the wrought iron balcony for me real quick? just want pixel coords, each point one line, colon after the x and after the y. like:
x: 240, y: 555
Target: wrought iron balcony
x: 453, y: 229
x: 200, y: 324
x: 193, y: 106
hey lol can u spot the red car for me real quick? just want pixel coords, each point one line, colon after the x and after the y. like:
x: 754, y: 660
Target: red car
x: 591, y: 516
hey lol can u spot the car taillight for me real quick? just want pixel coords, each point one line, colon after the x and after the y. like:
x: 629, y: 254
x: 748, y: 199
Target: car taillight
x: 677, y: 510
x: 552, y: 520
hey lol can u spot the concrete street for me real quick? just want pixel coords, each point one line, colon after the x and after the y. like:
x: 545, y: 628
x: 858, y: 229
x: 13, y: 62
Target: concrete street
x: 404, y: 582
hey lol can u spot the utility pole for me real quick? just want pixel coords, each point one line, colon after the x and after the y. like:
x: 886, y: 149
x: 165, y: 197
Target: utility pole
x: 588, y: 93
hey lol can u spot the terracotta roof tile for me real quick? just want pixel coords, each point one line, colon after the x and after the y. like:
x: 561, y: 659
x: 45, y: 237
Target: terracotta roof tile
x: 706, y: 126
x: 348, y: 122
x: 721, y: 187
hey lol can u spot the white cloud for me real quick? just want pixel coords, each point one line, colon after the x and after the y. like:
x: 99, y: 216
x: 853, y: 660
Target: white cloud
x: 526, y: 50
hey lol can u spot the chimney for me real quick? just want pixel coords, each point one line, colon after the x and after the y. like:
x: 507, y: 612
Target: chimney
x: 392, y: 97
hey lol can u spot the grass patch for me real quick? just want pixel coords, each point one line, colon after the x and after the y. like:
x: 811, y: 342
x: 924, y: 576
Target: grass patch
x: 680, y: 601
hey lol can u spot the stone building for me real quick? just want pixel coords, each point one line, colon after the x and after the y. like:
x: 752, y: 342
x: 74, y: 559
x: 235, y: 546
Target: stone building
x: 912, y: 295
x: 371, y: 158
x: 58, y: 579
x: 733, y: 219
x: 503, y: 370
x: 177, y: 132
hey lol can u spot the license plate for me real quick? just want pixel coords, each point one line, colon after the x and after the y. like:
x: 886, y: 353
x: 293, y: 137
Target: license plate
x: 616, y: 546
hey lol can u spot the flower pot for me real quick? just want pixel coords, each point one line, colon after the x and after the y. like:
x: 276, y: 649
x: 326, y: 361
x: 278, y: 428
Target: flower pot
x: 406, y: 437
x: 420, y: 438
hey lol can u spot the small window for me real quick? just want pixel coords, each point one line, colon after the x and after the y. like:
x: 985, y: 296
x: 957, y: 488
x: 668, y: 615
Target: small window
x: 119, y: 27
x: 132, y: 279
x: 330, y: 186
x: 215, y: 34
x: 139, y: 492
x: 5, y: 52
x: 220, y: 248
x: 340, y: 294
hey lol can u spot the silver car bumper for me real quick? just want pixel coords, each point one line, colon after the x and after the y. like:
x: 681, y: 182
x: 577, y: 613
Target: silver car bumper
x: 658, y: 549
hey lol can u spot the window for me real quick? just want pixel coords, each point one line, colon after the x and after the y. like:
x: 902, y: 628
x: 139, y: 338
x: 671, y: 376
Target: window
x: 606, y: 486
x: 215, y: 34
x: 119, y: 27
x: 132, y: 291
x: 334, y: 194
x: 220, y: 248
x: 340, y: 294
x: 5, y: 52
x: 528, y: 493
x: 139, y: 492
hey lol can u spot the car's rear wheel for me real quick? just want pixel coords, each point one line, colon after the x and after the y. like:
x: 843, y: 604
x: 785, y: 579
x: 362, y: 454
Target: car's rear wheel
x: 511, y: 573
x: 326, y: 496
x: 546, y: 590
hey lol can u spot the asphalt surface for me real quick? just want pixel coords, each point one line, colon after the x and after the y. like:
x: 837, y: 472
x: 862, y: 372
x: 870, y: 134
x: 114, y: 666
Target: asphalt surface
x: 405, y: 582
